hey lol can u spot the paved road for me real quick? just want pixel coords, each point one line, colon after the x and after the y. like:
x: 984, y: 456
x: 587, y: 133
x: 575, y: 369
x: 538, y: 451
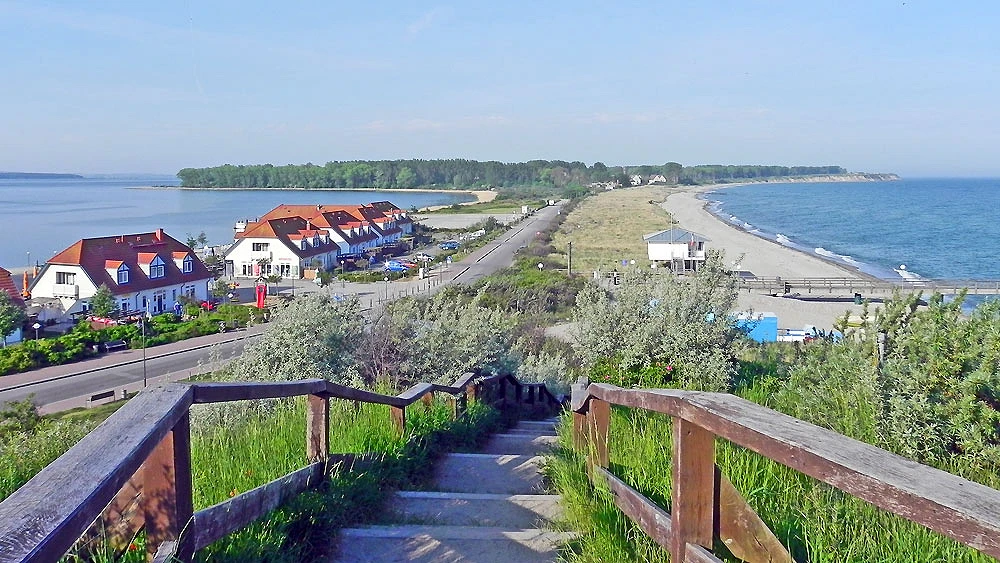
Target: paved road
x: 63, y: 387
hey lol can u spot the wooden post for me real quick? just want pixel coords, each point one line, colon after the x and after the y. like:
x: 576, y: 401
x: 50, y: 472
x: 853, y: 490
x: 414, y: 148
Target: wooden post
x: 166, y: 491
x: 471, y: 392
x: 580, y: 432
x: 428, y: 399
x: 599, y: 421
x: 398, y: 415
x: 453, y: 402
x: 531, y: 394
x: 518, y: 393
x: 317, y: 428
x: 693, y: 481
x: 503, y: 393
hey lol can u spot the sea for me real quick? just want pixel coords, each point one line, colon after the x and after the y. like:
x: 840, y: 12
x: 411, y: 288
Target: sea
x: 40, y: 217
x: 942, y: 228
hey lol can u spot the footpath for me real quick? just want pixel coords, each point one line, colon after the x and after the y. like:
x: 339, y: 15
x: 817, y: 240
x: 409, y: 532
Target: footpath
x: 485, y: 507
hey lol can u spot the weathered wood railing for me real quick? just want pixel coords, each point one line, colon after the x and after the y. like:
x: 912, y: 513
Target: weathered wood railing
x: 136, y: 466
x: 705, y: 505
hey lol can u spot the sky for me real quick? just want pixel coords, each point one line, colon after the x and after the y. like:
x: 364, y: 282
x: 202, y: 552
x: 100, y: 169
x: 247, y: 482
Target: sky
x: 139, y: 86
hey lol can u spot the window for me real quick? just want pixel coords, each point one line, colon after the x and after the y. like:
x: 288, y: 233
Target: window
x: 157, y: 269
x: 260, y: 246
x: 124, y: 307
x: 66, y: 278
x: 122, y: 274
x: 188, y: 264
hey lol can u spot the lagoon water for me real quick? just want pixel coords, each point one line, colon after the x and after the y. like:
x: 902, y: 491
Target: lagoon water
x: 41, y: 217
x: 936, y: 227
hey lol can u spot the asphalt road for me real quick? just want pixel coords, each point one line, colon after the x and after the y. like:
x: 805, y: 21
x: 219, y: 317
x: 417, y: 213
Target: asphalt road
x: 119, y: 376
x: 498, y: 254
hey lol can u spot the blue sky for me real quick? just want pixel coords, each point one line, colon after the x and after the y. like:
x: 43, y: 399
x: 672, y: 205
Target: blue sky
x: 117, y: 86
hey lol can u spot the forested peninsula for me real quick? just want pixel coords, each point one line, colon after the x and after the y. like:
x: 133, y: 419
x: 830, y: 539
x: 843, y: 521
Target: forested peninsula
x: 38, y: 176
x: 468, y: 174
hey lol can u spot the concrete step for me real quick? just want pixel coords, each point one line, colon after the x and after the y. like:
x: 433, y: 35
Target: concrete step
x: 447, y: 544
x: 531, y: 431
x: 520, y: 444
x: 489, y: 473
x: 473, y: 509
x: 539, y: 424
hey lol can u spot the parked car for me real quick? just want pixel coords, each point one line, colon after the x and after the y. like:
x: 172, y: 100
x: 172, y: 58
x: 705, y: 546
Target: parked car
x: 423, y: 257
x: 396, y: 266
x: 449, y: 245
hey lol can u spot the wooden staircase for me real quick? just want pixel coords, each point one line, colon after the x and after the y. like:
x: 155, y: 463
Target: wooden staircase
x: 486, y: 507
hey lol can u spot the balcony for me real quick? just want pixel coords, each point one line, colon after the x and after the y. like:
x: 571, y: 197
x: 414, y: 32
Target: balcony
x: 65, y: 290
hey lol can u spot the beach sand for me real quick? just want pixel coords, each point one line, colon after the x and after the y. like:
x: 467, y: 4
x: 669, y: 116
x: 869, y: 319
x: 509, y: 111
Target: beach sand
x: 764, y: 258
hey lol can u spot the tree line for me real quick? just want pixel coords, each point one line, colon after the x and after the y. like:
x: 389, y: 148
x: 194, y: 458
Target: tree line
x: 462, y: 173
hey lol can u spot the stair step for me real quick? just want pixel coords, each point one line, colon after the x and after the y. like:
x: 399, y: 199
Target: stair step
x: 548, y: 424
x: 438, y: 544
x: 489, y: 473
x: 519, y: 444
x: 532, y: 431
x: 474, y: 509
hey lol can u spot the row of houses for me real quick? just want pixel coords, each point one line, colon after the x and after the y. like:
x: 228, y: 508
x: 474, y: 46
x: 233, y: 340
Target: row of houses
x: 291, y: 238
x: 153, y: 271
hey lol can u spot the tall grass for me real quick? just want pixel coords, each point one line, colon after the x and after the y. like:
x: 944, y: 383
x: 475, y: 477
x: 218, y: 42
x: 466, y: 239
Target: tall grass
x: 815, y: 521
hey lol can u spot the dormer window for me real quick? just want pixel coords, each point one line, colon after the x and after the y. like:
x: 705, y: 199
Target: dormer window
x: 157, y: 269
x: 304, y: 244
x: 122, y: 274
x: 188, y: 265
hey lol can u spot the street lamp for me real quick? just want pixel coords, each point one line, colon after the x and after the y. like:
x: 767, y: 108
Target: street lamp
x: 386, y: 279
x: 36, y: 326
x: 142, y: 323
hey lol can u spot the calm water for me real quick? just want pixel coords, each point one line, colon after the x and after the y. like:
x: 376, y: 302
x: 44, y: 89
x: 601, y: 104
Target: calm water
x: 42, y: 217
x: 936, y: 227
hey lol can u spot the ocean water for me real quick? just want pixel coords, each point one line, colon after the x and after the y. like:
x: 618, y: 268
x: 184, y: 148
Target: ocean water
x: 41, y: 217
x: 943, y: 228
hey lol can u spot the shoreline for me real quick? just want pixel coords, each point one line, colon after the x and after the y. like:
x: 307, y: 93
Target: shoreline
x: 764, y: 258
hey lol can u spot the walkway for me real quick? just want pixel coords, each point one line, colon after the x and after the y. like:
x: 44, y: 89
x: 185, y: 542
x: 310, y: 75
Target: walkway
x: 483, y: 507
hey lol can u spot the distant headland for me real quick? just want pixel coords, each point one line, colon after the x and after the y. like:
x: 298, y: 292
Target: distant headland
x: 38, y: 176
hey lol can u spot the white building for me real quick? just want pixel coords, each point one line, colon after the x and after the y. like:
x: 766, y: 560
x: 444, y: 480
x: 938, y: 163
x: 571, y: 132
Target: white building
x: 280, y: 246
x: 145, y: 271
x: 271, y: 244
x: 677, y: 249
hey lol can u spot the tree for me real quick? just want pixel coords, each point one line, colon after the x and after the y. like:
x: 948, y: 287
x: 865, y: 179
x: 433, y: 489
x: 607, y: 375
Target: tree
x: 11, y: 316
x: 194, y: 241
x: 102, y: 304
x: 406, y: 178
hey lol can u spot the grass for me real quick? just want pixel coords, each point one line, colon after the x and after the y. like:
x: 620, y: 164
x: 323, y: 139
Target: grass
x: 815, y: 521
x: 263, y: 446
x: 495, y: 206
x: 608, y: 227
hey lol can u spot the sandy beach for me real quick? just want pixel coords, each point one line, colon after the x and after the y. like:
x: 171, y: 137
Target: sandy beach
x: 764, y: 258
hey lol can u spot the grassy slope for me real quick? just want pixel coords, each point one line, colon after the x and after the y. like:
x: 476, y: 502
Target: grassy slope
x: 608, y: 228
x: 816, y: 522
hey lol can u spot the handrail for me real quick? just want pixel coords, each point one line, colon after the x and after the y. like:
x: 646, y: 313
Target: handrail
x: 960, y: 509
x: 146, y: 444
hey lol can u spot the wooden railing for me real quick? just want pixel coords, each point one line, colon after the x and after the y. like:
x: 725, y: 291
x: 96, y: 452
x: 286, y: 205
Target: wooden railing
x: 706, y: 506
x: 136, y: 466
x: 869, y: 286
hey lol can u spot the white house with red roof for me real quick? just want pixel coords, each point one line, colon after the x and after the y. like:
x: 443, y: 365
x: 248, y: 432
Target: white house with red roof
x: 268, y: 245
x: 145, y: 271
x: 7, y: 285
x: 283, y: 246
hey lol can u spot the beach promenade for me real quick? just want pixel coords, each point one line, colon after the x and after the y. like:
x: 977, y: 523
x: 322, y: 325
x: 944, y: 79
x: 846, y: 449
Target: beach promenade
x: 763, y: 258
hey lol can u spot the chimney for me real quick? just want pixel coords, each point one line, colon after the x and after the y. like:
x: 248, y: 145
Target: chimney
x: 158, y: 235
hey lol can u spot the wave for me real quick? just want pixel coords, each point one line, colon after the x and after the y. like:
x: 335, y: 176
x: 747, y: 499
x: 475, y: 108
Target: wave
x: 908, y: 275
x: 842, y: 257
x: 782, y: 239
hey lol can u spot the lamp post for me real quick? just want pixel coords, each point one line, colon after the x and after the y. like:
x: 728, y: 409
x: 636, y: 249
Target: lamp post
x: 343, y: 282
x: 36, y: 326
x: 145, y: 317
x: 386, y: 279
